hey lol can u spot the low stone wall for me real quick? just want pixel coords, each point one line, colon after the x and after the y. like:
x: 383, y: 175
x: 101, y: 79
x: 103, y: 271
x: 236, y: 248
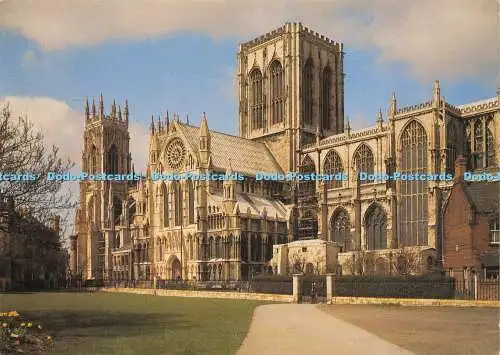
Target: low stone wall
x: 414, y: 302
x: 205, y: 294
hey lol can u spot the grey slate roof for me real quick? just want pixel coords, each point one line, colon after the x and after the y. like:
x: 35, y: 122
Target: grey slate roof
x: 247, y: 156
x: 484, y: 196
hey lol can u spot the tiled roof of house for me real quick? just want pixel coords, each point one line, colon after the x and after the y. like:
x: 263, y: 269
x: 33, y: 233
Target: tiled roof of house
x: 484, y: 196
x: 247, y: 157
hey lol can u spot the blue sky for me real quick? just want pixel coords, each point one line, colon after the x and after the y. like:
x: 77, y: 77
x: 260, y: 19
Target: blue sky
x: 174, y: 56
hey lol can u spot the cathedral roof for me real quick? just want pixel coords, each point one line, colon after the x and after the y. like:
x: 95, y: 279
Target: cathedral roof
x: 247, y: 157
x: 255, y: 203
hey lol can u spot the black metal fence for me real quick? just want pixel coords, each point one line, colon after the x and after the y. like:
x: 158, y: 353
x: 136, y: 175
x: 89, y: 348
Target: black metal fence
x: 282, y: 286
x: 313, y: 288
x: 394, y: 287
x: 416, y: 287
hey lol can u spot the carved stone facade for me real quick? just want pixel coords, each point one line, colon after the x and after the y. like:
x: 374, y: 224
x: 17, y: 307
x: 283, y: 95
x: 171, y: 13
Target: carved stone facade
x: 290, y: 119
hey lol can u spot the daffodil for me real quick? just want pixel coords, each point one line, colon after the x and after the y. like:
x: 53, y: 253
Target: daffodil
x: 29, y: 325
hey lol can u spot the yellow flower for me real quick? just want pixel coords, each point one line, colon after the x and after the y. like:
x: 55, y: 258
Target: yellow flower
x: 4, y: 314
x: 13, y: 314
x: 30, y: 324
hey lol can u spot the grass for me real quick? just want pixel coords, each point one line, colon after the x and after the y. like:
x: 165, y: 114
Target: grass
x: 107, y: 323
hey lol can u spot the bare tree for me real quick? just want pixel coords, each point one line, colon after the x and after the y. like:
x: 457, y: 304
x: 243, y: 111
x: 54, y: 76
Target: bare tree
x: 24, y: 153
x: 361, y: 262
x: 407, y: 261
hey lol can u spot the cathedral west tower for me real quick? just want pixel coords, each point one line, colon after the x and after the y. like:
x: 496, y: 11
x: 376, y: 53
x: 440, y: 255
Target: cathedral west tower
x: 105, y: 150
x: 290, y: 90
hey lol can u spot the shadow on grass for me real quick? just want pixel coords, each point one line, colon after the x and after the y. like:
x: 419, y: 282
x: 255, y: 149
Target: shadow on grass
x: 95, y: 324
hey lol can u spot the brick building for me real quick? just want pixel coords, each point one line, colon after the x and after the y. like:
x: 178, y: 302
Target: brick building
x: 471, y: 227
x: 31, y: 255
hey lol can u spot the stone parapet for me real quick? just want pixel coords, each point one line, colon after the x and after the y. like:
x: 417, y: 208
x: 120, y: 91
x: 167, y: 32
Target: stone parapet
x: 204, y: 294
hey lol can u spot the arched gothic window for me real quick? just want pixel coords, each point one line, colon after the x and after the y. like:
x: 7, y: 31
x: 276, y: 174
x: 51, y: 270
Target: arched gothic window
x: 191, y: 201
x: 307, y: 92
x: 257, y: 99
x: 307, y: 188
x: 277, y: 92
x: 244, y: 247
x: 164, y: 192
x: 376, y: 228
x: 451, y: 154
x: 333, y: 165
x: 341, y: 230
x: 117, y: 209
x: 413, y: 210
x: 478, y: 144
x: 93, y: 160
x: 113, y: 160
x: 326, y: 98
x: 211, y: 253
x: 178, y: 203
x: 364, y: 162
x: 490, y: 148
x: 218, y: 253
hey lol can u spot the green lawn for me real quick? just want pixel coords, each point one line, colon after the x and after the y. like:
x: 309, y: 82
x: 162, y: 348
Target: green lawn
x: 107, y: 323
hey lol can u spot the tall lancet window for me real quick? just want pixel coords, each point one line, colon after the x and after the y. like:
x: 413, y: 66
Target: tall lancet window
x: 257, y: 99
x: 178, y: 201
x: 191, y: 201
x: 277, y: 92
x: 307, y: 188
x: 333, y: 165
x: 490, y: 148
x: 93, y: 160
x: 364, y: 162
x: 113, y: 160
x: 326, y: 98
x: 413, y: 208
x: 164, y: 192
x: 478, y: 144
x: 307, y: 92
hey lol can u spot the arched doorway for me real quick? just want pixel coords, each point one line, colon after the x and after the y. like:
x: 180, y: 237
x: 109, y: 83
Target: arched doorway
x: 176, y: 269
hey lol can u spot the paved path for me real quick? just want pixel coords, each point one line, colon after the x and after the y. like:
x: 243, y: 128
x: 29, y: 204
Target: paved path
x: 303, y: 329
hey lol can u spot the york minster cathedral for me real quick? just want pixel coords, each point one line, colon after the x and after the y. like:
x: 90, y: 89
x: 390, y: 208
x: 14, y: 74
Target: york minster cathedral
x: 291, y: 119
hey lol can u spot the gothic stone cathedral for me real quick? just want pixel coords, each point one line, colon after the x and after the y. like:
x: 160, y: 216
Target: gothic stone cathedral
x: 291, y: 118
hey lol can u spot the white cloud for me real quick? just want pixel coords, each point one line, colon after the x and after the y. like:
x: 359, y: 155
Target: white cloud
x: 60, y: 124
x: 441, y: 39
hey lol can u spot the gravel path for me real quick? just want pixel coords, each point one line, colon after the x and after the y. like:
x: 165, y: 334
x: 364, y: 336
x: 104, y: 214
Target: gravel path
x: 304, y: 329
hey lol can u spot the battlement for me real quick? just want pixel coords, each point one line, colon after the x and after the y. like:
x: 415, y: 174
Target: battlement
x: 414, y: 108
x: 479, y: 106
x: 290, y: 27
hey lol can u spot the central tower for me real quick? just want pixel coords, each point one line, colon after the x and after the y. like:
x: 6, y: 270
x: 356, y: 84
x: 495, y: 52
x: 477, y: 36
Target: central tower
x: 290, y: 90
